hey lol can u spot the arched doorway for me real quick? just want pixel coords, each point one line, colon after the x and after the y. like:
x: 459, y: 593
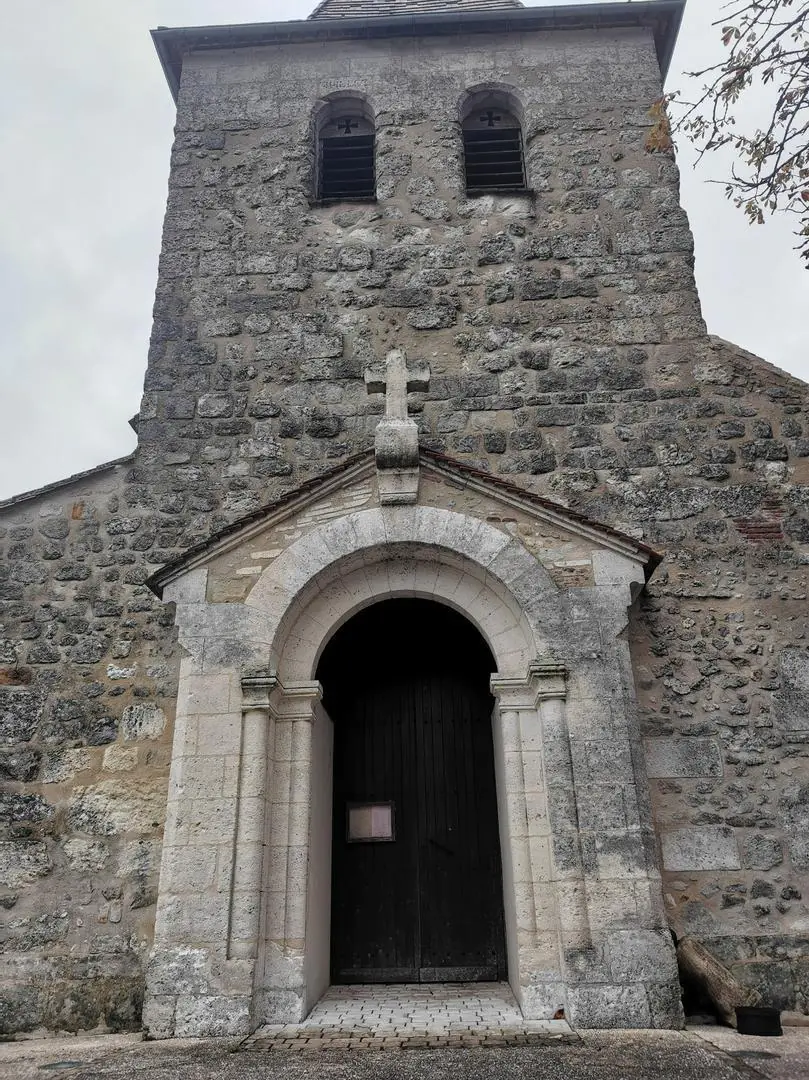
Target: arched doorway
x: 417, y: 893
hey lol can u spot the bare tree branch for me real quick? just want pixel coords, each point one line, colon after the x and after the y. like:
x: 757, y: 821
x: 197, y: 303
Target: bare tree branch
x: 767, y: 43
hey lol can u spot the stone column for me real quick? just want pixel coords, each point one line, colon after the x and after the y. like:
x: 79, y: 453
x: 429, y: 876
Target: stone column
x: 574, y: 923
x: 533, y: 917
x: 254, y: 766
x: 283, y: 983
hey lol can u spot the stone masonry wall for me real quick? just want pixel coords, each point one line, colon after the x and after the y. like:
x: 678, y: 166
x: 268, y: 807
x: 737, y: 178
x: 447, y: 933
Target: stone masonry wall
x: 567, y: 351
x: 87, y: 690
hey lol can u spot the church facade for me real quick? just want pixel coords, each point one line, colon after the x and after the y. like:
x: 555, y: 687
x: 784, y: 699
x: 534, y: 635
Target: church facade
x: 449, y: 621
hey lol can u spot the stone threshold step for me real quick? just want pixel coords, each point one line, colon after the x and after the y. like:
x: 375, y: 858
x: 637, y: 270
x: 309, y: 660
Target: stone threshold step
x: 348, y: 1041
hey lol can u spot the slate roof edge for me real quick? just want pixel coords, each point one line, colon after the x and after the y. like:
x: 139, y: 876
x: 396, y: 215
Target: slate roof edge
x: 662, y: 16
x: 483, y: 5
x: 653, y: 557
x: 108, y: 466
x: 160, y: 578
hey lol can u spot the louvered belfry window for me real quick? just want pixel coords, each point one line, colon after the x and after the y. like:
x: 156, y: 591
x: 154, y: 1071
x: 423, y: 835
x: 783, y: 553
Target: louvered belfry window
x: 346, y: 147
x: 493, y: 152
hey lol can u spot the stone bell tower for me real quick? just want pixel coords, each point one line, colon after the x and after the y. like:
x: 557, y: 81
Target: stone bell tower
x: 451, y: 204
x: 325, y: 209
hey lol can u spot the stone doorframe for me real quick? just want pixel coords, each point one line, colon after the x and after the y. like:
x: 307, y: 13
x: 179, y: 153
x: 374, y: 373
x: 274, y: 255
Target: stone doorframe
x: 242, y: 929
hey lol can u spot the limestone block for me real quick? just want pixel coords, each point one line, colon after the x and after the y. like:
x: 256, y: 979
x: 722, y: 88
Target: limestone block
x: 282, y: 1006
x: 61, y: 765
x: 666, y: 1006
x: 189, y: 869
x: 620, y: 854
x: 275, y: 913
x: 794, y: 813
x: 792, y: 700
x: 542, y: 1000
x: 209, y: 1016
x: 209, y: 821
x: 533, y: 778
x: 207, y: 694
x: 705, y: 847
x: 610, y: 568
x: 642, y: 956
x: 608, y: 763
x: 601, y: 806
x: 611, y: 905
x: 22, y: 862
x: 158, y: 1015
x: 190, y: 588
x: 763, y: 852
x: 605, y: 1006
x: 143, y: 721
x: 196, y: 777
x: 671, y: 757
x: 117, y: 806
x: 178, y: 970
x: 219, y: 736
x: 192, y: 919
x: 541, y: 861
x: 86, y: 855
x: 536, y: 812
x: 119, y: 758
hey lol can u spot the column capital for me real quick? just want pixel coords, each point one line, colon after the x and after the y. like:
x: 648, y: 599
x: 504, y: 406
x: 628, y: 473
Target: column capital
x: 544, y: 680
x: 291, y: 702
x: 256, y: 690
x: 294, y: 701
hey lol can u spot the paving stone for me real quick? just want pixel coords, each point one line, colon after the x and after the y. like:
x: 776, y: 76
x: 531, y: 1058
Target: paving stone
x: 409, y: 1017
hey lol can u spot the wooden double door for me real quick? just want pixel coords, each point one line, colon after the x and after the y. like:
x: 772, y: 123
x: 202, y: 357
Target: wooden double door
x: 416, y: 874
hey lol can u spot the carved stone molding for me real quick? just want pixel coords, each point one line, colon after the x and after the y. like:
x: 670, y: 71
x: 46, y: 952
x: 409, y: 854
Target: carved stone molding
x: 545, y: 680
x: 256, y: 691
x: 291, y: 702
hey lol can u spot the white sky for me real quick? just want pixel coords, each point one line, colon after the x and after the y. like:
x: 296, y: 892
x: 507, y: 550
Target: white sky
x: 85, y: 130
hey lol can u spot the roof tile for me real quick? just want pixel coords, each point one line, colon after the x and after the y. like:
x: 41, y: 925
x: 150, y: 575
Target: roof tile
x: 346, y: 9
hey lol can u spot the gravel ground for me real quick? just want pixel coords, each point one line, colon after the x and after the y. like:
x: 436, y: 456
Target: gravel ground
x: 715, y: 1053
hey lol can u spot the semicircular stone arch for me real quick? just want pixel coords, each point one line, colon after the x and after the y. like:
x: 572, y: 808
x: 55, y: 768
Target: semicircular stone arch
x: 487, y: 94
x: 336, y: 569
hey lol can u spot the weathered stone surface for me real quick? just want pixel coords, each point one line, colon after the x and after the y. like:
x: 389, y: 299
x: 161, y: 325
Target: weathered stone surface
x: 792, y: 701
x: 667, y: 757
x: 763, y: 852
x: 609, y: 1007
x: 16, y: 808
x: 113, y: 807
x: 143, y: 722
x: 61, y: 765
x: 794, y: 813
x: 22, y: 862
x: 86, y: 855
x: 707, y: 847
x: 21, y: 764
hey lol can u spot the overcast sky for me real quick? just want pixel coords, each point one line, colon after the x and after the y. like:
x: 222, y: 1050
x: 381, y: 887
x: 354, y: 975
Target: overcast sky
x: 85, y: 129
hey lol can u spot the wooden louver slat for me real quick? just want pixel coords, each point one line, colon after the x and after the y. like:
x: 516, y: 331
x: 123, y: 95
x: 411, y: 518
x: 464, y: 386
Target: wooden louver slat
x: 347, y: 167
x: 494, y: 160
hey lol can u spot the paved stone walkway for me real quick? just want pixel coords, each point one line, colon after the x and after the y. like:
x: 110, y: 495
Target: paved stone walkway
x: 699, y: 1054
x: 408, y: 1017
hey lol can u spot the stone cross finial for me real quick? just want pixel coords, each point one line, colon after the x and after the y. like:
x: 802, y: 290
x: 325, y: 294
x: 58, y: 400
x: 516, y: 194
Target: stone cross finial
x: 396, y: 441
x: 396, y: 380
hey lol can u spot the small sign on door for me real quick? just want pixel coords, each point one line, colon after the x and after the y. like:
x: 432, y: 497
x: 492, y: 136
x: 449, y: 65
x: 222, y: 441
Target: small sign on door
x: 369, y: 823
